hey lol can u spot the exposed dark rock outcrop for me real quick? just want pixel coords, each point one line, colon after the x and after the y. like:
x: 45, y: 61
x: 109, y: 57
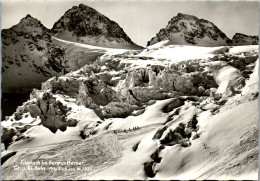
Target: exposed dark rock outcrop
x: 7, y: 156
x: 242, y: 39
x: 51, y: 111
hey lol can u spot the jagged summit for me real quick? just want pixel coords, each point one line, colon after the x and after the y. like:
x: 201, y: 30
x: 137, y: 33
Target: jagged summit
x: 185, y: 15
x: 190, y: 30
x: 28, y: 25
x: 84, y: 24
x: 28, y: 20
x: 29, y: 56
x: 28, y: 16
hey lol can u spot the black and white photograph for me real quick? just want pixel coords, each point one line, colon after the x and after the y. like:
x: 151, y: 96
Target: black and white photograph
x: 132, y: 90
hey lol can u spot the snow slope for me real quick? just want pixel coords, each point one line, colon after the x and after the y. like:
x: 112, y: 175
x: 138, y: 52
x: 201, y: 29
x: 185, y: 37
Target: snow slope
x: 184, y: 118
x: 177, y: 53
x: 78, y: 54
x: 227, y: 139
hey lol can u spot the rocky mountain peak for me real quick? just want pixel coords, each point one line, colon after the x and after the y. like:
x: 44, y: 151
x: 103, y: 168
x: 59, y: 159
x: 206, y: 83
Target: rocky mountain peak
x: 182, y: 15
x: 28, y: 26
x: 84, y: 24
x: 29, y: 56
x: 242, y: 39
x: 28, y: 16
x: 28, y: 20
x: 83, y: 6
x: 190, y: 30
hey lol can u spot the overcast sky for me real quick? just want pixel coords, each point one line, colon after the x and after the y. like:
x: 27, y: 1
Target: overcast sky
x: 141, y: 20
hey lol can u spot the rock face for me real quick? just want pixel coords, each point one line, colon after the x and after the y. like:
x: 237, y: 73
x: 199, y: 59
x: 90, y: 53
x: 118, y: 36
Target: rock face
x: 50, y: 110
x: 189, y: 30
x: 29, y: 56
x: 85, y: 24
x: 242, y: 39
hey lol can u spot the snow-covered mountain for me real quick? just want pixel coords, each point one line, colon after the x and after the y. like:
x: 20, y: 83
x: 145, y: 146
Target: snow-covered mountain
x: 84, y: 24
x: 186, y: 29
x: 156, y: 113
x: 29, y: 56
x: 242, y: 39
x: 173, y: 110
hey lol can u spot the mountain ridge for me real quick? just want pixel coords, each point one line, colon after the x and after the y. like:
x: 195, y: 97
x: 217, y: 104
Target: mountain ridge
x: 86, y: 25
x: 29, y: 55
x: 243, y: 39
x: 185, y: 29
x: 35, y: 41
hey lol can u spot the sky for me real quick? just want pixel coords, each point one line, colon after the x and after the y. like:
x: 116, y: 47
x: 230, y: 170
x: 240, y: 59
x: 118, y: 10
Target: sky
x: 141, y: 19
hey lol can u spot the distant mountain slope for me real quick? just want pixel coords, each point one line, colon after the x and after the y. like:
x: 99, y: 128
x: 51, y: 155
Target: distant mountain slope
x: 29, y: 56
x: 78, y: 54
x: 189, y: 30
x: 242, y: 39
x: 86, y: 25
